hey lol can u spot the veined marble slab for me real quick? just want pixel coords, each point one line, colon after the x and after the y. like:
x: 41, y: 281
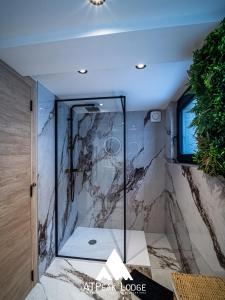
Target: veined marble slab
x: 196, y: 218
x: 66, y: 279
x: 163, y: 259
x: 145, y: 172
x: 46, y: 177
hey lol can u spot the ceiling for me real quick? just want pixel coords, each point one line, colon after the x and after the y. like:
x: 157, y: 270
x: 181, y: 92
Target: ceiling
x: 50, y: 41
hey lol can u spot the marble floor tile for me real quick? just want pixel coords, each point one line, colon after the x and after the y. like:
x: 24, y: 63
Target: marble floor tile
x: 157, y: 240
x: 137, y: 253
x: 163, y: 259
x: 142, y: 269
x: 160, y: 253
x: 37, y: 293
x: 107, y: 240
x: 66, y: 278
x: 163, y: 277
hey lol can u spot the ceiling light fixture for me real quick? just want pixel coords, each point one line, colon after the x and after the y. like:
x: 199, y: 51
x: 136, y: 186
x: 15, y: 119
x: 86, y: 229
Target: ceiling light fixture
x: 83, y: 71
x: 140, y: 66
x: 101, y: 104
x: 97, y: 2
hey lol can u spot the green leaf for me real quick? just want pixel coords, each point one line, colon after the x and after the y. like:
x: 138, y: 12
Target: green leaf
x: 207, y: 81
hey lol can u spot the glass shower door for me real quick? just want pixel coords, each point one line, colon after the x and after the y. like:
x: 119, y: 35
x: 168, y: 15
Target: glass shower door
x: 91, y: 178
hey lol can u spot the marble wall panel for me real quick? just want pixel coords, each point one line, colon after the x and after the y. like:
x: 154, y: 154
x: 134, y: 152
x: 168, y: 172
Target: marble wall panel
x: 145, y: 172
x: 67, y: 205
x: 99, y: 180
x: 46, y: 177
x: 99, y: 177
x: 196, y: 218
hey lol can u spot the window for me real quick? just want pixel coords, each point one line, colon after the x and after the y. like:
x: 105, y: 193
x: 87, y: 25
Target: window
x: 187, y: 143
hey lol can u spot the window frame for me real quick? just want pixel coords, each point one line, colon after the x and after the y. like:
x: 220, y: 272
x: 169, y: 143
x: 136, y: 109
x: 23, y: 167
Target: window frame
x: 183, y: 101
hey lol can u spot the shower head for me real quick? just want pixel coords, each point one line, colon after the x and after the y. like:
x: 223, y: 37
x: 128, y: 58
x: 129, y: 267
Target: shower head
x: 92, y: 109
x: 89, y: 107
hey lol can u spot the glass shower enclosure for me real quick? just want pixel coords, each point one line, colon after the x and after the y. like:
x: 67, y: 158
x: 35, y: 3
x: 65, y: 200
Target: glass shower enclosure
x: 90, y: 162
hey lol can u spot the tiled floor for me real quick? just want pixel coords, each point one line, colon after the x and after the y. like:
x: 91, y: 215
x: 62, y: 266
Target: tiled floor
x: 107, y: 240
x: 65, y: 278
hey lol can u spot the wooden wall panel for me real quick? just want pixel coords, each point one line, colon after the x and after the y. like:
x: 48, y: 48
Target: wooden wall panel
x: 15, y: 179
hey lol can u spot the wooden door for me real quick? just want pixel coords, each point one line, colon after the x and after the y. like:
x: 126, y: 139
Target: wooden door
x: 15, y: 180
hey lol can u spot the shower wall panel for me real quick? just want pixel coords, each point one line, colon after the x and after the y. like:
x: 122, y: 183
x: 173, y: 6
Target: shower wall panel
x: 67, y: 205
x: 145, y: 173
x: 99, y: 180
x: 46, y: 177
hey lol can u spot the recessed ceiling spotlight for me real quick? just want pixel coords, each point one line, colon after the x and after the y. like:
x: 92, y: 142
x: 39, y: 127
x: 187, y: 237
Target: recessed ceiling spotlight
x: 140, y: 66
x: 101, y: 104
x: 97, y: 2
x: 83, y: 71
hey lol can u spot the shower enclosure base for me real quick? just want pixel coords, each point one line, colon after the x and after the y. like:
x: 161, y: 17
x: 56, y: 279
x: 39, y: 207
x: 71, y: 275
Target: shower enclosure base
x: 78, y: 245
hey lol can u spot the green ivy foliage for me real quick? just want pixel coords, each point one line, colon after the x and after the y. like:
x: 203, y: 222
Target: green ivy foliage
x: 207, y: 80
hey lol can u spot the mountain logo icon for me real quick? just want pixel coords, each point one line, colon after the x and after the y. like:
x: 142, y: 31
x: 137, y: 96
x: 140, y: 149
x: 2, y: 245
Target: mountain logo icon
x: 114, y: 269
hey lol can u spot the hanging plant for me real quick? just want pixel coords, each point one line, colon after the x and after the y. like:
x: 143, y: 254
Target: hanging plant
x: 207, y: 80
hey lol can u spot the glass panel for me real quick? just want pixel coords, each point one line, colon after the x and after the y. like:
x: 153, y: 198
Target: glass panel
x: 189, y: 143
x: 90, y: 178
